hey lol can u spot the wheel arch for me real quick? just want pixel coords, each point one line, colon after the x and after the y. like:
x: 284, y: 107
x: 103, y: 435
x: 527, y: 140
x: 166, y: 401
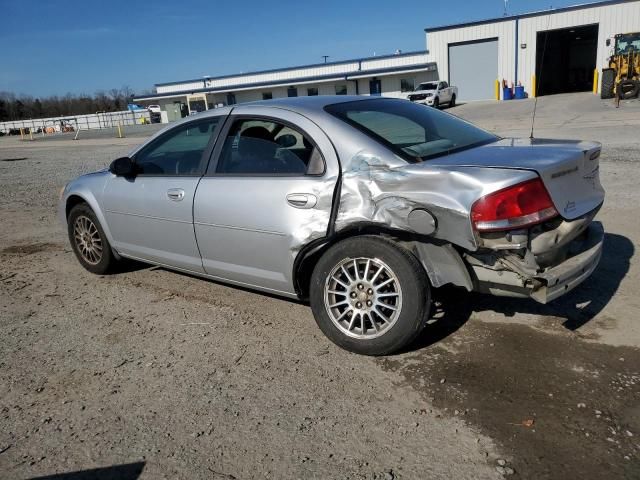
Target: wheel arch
x: 77, y: 198
x: 72, y: 201
x: 440, y: 260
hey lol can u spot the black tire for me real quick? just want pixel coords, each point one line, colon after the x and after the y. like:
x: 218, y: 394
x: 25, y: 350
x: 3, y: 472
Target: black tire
x: 452, y: 103
x: 629, y: 89
x: 608, y: 83
x: 82, y: 215
x: 412, y: 306
x: 436, y: 102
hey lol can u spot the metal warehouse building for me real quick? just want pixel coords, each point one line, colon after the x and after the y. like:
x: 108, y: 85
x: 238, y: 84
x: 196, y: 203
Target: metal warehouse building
x: 578, y: 40
x: 389, y: 75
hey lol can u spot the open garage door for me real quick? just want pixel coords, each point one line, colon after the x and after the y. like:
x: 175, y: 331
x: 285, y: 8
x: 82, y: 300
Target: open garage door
x: 473, y: 68
x: 565, y: 59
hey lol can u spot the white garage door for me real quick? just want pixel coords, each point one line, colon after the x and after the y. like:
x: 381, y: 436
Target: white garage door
x: 473, y: 68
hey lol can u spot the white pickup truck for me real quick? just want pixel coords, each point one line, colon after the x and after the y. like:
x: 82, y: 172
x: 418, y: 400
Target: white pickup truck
x: 434, y: 94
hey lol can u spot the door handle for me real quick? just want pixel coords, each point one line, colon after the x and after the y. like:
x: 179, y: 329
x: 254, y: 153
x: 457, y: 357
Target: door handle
x: 302, y: 200
x: 175, y: 194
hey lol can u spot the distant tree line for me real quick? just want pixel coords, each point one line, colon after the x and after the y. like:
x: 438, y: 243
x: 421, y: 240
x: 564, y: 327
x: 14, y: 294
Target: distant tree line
x: 24, y: 107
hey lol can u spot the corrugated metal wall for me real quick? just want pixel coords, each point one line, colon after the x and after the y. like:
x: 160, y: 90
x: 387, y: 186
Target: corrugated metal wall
x: 612, y: 19
x: 184, y: 87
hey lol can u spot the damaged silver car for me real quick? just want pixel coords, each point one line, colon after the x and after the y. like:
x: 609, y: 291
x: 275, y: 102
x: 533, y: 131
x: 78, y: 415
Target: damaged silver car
x: 359, y: 205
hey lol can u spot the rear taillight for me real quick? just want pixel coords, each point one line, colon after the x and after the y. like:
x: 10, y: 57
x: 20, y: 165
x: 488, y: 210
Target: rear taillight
x: 518, y: 206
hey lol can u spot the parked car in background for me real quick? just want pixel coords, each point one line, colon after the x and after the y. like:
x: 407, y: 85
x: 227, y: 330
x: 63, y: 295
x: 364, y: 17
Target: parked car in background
x: 434, y: 94
x: 154, y: 108
x: 360, y: 205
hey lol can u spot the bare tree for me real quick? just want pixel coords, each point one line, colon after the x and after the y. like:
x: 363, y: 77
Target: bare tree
x: 24, y: 107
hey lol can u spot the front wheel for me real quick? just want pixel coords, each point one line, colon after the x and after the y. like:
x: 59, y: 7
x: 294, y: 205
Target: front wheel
x: 369, y: 295
x: 436, y: 102
x: 452, y: 103
x: 89, y: 241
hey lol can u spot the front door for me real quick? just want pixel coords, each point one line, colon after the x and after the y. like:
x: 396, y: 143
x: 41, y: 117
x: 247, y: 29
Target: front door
x: 267, y: 193
x: 151, y: 215
x: 375, y: 87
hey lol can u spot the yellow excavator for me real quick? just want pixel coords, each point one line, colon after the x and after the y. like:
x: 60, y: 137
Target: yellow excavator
x: 625, y: 62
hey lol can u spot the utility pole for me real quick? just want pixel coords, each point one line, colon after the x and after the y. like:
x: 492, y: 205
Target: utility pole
x: 325, y: 58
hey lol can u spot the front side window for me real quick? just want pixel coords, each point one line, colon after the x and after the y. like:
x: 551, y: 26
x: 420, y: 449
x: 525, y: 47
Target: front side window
x: 407, y: 85
x: 413, y: 131
x: 178, y: 152
x: 265, y: 147
x: 341, y: 89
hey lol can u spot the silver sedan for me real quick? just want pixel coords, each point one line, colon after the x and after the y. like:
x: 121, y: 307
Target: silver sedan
x: 360, y: 206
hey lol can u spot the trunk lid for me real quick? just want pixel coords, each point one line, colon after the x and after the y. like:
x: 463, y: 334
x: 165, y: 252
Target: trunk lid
x: 569, y: 169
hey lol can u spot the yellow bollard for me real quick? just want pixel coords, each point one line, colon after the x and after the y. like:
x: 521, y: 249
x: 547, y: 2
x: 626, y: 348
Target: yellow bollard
x: 119, y: 131
x: 31, y: 134
x: 533, y: 85
x: 497, y: 89
x: 595, y: 81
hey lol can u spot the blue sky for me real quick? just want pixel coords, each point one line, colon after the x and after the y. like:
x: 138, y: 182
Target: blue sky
x: 84, y: 46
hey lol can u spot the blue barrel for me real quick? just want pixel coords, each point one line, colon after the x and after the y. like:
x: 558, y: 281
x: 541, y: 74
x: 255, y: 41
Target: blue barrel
x: 520, y: 92
x: 506, y: 93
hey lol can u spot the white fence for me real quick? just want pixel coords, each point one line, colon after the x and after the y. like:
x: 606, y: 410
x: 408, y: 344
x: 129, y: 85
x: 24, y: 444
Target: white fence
x: 81, y: 122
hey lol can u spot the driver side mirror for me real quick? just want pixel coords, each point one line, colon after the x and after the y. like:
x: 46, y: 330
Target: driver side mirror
x: 123, y: 167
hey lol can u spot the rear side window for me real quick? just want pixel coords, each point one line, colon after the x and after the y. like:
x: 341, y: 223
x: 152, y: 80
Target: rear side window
x: 179, y: 151
x: 415, y: 132
x: 264, y: 147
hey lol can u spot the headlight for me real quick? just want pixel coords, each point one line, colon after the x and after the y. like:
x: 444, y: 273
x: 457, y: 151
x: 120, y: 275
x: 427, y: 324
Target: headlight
x: 429, y: 95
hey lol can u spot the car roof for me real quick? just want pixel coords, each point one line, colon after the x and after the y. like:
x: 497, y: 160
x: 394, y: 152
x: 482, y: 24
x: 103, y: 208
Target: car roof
x: 304, y: 104
x: 312, y: 106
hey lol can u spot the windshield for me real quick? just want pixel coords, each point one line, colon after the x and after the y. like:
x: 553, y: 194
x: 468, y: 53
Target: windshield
x: 627, y: 43
x: 428, y: 86
x: 413, y: 131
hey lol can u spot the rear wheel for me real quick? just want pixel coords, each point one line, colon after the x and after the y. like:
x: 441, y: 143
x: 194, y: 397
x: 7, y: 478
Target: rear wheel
x: 369, y: 295
x: 608, y: 83
x: 88, y: 240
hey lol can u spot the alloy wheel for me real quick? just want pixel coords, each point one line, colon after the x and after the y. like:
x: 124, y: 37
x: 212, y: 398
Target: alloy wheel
x: 363, y: 297
x: 87, y: 238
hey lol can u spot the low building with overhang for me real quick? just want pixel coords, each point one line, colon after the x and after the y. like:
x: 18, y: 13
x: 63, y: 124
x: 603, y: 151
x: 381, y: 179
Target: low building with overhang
x: 387, y: 75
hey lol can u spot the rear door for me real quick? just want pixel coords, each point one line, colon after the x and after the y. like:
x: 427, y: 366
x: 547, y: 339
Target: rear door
x: 268, y: 191
x: 150, y: 216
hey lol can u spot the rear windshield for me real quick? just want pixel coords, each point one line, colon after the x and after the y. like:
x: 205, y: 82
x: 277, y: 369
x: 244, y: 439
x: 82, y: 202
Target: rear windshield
x: 415, y: 132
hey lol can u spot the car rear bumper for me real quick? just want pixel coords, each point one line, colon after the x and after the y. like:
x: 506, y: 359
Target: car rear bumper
x: 572, y: 272
x: 505, y: 276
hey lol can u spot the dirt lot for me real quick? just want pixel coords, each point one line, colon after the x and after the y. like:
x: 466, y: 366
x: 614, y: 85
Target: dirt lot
x: 175, y: 377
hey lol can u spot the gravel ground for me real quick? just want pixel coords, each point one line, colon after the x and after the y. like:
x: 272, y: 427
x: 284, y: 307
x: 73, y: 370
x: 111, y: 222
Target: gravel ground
x: 152, y: 374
